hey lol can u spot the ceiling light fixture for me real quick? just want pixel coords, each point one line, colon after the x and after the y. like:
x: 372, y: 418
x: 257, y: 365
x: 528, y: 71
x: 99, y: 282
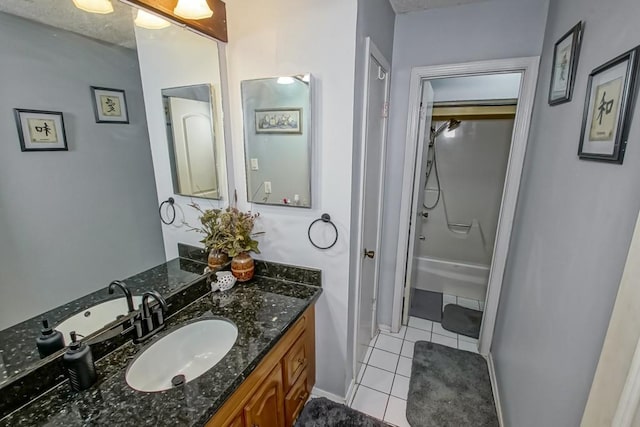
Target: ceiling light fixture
x: 150, y: 21
x: 94, y: 6
x: 193, y: 9
x: 285, y: 80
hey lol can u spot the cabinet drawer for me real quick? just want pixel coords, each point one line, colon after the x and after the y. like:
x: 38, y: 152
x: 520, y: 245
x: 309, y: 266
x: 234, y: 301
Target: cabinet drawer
x: 295, y: 399
x: 294, y: 362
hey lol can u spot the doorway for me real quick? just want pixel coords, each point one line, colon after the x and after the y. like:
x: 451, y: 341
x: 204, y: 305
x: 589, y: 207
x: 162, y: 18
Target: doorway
x: 484, y: 243
x: 374, y: 137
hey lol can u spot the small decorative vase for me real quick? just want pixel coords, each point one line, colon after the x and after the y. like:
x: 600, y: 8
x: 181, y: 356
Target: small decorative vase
x: 242, y: 267
x: 217, y: 259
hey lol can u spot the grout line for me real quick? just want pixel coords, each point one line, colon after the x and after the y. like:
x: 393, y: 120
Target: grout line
x: 382, y: 369
x: 386, y: 351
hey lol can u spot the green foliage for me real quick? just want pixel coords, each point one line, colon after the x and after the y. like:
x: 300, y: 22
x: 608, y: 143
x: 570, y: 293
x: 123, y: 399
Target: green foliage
x: 228, y: 230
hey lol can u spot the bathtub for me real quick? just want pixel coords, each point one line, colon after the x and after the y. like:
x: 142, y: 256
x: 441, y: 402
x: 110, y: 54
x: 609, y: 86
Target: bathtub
x: 451, y: 277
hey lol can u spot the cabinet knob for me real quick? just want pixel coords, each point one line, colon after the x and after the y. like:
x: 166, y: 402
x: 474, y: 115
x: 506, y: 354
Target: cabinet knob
x: 302, y: 361
x: 303, y: 396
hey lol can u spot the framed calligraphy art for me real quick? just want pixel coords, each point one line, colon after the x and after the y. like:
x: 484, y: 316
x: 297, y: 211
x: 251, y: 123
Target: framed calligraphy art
x: 41, y: 130
x: 565, y: 63
x: 608, y: 109
x: 109, y: 105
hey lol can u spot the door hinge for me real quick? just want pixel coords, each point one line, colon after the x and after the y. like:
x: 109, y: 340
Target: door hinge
x: 385, y: 110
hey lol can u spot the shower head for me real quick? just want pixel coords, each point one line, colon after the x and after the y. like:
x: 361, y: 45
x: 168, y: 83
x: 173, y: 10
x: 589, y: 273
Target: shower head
x: 450, y: 124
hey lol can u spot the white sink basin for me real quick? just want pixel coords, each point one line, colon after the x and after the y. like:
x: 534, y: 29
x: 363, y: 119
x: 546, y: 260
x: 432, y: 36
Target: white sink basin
x: 190, y: 350
x: 95, y: 318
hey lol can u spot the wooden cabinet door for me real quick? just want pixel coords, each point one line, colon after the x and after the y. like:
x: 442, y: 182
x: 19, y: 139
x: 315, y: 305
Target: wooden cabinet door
x: 237, y: 421
x: 266, y: 406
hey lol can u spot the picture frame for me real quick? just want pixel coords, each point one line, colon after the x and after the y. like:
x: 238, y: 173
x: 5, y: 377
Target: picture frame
x: 566, y: 53
x: 110, y: 105
x: 40, y: 130
x: 279, y: 121
x: 611, y: 93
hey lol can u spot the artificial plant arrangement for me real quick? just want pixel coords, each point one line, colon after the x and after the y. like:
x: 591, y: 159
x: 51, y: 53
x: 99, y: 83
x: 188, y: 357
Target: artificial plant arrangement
x: 230, y: 232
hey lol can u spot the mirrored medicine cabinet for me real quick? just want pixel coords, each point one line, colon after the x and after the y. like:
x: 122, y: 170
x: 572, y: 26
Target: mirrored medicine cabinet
x: 278, y: 140
x: 195, y: 153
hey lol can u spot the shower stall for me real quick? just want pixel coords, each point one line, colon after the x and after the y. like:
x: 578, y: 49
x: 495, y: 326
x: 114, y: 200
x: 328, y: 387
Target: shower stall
x: 466, y: 163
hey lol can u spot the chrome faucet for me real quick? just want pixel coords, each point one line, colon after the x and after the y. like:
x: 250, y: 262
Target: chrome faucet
x: 127, y: 293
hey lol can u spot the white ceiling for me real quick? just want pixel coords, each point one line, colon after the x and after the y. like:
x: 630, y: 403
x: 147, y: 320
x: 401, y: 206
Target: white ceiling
x: 115, y: 28
x: 406, y: 6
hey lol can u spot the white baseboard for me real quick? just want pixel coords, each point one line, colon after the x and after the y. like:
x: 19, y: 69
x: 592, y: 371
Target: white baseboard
x: 385, y: 328
x: 351, y: 392
x: 334, y: 397
x: 494, y: 387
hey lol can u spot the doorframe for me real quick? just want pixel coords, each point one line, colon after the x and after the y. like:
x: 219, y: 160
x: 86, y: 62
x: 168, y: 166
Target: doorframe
x: 614, y: 398
x: 528, y: 66
x: 370, y: 50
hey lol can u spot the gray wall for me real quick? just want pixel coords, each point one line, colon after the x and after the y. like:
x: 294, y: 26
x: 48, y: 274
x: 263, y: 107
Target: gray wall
x: 70, y: 221
x: 573, y: 227
x: 485, y: 30
x: 376, y: 19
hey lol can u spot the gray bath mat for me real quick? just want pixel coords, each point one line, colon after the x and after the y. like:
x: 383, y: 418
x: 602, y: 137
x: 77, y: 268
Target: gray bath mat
x: 426, y: 305
x: 449, y: 388
x: 462, y: 320
x: 323, y: 412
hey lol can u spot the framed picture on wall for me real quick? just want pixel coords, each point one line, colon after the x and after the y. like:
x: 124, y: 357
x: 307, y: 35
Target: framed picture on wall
x: 607, y: 111
x: 41, y: 130
x: 279, y: 120
x: 109, y: 105
x: 565, y: 63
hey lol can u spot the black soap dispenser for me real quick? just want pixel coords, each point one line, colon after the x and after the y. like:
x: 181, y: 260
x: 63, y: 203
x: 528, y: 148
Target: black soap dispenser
x: 49, y: 341
x: 78, y: 365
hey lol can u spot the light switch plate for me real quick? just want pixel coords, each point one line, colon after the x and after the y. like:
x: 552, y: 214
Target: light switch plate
x: 254, y: 164
x: 267, y: 187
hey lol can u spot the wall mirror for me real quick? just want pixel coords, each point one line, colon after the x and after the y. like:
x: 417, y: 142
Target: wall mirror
x: 73, y: 220
x: 193, y: 147
x: 278, y: 140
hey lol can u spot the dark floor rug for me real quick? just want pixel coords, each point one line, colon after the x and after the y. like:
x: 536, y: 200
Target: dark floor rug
x: 323, y: 412
x: 426, y: 305
x: 449, y: 388
x: 462, y: 320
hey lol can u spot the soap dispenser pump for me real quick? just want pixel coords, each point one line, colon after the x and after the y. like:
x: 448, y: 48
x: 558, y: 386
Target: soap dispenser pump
x: 78, y: 364
x: 49, y: 341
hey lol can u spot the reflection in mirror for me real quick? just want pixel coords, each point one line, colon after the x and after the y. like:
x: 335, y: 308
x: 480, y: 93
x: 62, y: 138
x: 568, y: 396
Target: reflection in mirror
x: 73, y: 221
x: 192, y: 142
x: 278, y: 140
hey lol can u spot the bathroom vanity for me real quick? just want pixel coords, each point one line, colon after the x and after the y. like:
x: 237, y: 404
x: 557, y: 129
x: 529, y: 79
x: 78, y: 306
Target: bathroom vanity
x: 264, y: 379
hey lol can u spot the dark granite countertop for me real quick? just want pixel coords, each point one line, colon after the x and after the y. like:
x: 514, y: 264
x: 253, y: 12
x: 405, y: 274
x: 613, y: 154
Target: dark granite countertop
x: 262, y: 309
x: 18, y: 349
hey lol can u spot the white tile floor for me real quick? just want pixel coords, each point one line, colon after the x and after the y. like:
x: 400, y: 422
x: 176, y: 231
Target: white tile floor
x: 383, y: 382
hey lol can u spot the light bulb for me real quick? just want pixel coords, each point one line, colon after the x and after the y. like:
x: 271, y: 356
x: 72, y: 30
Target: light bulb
x: 94, y: 6
x: 150, y: 21
x: 193, y: 9
x: 285, y: 80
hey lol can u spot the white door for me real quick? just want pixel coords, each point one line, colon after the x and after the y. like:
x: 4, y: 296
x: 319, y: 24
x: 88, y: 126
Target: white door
x: 374, y: 150
x: 193, y: 139
x: 424, y: 133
